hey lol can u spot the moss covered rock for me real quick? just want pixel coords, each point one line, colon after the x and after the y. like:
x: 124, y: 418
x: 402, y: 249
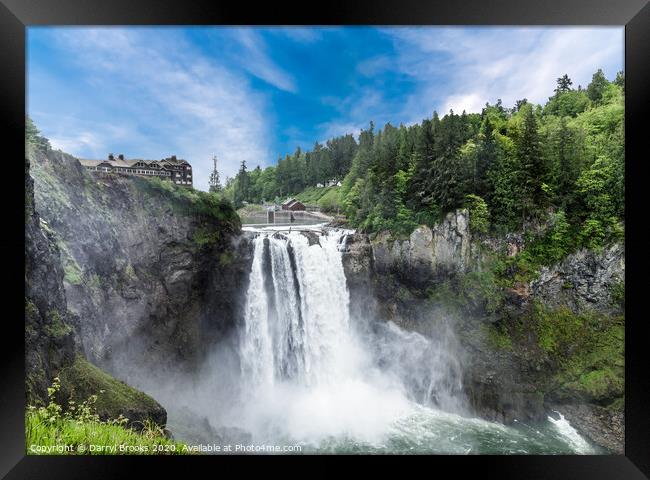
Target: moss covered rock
x: 114, y: 397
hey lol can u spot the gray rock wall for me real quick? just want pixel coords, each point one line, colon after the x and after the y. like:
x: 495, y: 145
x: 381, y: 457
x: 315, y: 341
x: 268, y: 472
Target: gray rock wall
x: 49, y: 326
x: 429, y: 254
x: 584, y: 280
x: 153, y: 282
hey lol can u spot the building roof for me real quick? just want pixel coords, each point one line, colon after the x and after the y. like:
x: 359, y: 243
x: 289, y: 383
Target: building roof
x: 115, y: 163
x: 293, y: 202
x: 289, y: 201
x: 131, y: 162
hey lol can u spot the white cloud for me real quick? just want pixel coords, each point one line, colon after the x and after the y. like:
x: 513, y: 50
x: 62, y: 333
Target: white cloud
x: 79, y: 141
x: 259, y: 63
x: 373, y: 66
x: 157, y: 85
x: 198, y: 106
x: 462, y: 69
x: 472, y: 102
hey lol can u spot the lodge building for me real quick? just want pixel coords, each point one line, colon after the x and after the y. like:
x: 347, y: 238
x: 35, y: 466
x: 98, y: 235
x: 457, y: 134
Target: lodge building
x: 177, y: 170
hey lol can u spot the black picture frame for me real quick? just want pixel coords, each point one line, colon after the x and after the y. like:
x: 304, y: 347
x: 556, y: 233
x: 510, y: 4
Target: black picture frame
x: 16, y: 15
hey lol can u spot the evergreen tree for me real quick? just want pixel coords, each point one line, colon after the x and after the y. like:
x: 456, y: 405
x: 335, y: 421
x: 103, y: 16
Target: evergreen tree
x: 620, y: 80
x: 520, y: 103
x: 510, y: 164
x: 563, y: 84
x: 241, y: 185
x: 421, y: 188
x: 597, y: 86
x: 532, y: 167
x: 33, y: 135
x: 568, y: 165
x: 485, y: 158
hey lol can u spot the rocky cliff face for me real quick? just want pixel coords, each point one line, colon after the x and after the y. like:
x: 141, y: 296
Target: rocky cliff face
x: 153, y: 273
x: 398, y: 272
x: 359, y: 265
x: 49, y: 331
x: 429, y: 255
x: 584, y: 281
x: 52, y: 346
x: 520, y: 359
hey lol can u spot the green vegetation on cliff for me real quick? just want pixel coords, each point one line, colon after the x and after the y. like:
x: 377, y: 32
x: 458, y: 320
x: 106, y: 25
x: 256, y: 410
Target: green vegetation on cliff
x: 209, y: 206
x: 578, y: 354
x: 587, y: 350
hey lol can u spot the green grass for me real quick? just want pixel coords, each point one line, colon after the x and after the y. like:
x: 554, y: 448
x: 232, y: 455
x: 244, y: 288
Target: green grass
x: 311, y: 195
x: 78, y: 430
x: 46, y: 436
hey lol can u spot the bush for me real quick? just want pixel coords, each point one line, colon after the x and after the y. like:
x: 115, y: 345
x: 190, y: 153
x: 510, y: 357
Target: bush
x: 479, y: 215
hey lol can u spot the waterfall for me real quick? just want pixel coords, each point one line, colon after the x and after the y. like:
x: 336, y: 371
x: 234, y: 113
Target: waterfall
x: 296, y: 323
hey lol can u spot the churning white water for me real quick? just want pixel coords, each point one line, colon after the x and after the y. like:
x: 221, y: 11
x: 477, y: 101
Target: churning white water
x: 296, y: 314
x: 564, y: 428
x: 311, y: 375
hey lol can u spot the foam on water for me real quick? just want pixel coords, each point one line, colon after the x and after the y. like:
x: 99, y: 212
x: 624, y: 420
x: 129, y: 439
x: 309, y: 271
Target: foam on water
x: 572, y: 437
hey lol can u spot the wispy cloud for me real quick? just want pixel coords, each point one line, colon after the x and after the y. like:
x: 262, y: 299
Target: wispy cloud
x: 432, y: 68
x: 259, y: 63
x: 162, y: 84
x: 462, y: 69
x: 355, y: 113
x: 373, y: 66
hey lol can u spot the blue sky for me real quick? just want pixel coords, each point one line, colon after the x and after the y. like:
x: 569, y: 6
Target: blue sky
x: 250, y: 93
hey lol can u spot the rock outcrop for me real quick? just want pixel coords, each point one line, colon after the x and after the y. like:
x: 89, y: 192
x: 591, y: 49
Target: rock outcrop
x: 585, y: 280
x: 429, y: 255
x: 358, y: 264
